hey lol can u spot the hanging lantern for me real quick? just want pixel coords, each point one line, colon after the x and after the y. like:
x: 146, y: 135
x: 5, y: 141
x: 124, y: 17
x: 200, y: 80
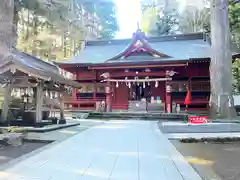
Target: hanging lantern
x: 46, y: 93
x: 129, y: 85
x: 31, y: 91
x: 25, y: 99
x: 56, y: 94
x: 147, y: 78
x: 156, y: 84
x: 13, y: 93
x: 144, y: 85
x: 51, y: 95
x: 22, y: 91
x: 18, y: 92
x: 26, y: 91
x: 126, y: 78
x: 117, y: 85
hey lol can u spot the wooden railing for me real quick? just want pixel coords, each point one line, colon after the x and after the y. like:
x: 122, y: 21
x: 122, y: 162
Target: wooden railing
x: 120, y: 106
x: 193, y: 101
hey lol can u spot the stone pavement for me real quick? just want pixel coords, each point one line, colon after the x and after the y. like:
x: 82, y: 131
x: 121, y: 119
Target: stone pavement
x: 116, y: 150
x: 202, y: 135
x: 63, y: 134
x: 181, y: 127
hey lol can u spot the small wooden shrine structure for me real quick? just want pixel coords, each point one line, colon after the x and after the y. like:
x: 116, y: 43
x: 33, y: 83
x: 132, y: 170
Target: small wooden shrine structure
x: 36, y: 84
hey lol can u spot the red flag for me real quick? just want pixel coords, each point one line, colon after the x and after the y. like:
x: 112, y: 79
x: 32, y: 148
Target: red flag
x: 188, y: 98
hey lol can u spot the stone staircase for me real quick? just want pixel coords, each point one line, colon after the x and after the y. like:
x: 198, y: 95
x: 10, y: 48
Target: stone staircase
x: 155, y: 107
x: 134, y: 106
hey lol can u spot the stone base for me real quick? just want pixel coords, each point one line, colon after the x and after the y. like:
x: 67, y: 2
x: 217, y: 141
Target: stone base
x: 62, y: 121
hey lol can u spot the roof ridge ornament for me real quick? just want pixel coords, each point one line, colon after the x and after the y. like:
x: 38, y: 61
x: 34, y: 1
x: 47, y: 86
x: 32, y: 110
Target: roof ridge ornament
x: 138, y: 27
x: 139, y: 32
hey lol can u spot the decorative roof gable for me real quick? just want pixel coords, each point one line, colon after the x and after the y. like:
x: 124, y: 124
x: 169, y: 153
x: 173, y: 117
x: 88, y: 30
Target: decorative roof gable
x: 171, y: 48
x: 139, y: 46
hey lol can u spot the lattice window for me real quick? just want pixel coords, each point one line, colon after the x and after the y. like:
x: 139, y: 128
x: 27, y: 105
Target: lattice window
x: 200, y: 86
x: 179, y: 86
x: 88, y: 88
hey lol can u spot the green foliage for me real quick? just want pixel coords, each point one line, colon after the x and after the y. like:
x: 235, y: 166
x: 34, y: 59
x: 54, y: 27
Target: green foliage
x: 54, y: 30
x: 15, y: 129
x: 234, y: 20
x: 107, y: 15
x: 234, y: 14
x: 167, y: 22
x: 195, y: 20
x: 157, y: 22
x: 106, y: 12
x: 50, y: 30
x: 236, y: 77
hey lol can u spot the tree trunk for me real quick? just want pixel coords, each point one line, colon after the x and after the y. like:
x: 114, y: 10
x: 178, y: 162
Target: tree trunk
x: 6, y: 27
x: 39, y: 103
x: 221, y: 100
x: 15, y: 24
x: 64, y: 44
x: 35, y: 33
x: 7, y: 100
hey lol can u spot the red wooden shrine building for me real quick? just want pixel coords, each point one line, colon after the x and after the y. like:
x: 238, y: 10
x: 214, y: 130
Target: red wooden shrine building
x: 142, y: 73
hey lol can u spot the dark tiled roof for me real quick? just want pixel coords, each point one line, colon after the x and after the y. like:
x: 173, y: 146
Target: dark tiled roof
x: 178, y: 47
x: 36, y: 66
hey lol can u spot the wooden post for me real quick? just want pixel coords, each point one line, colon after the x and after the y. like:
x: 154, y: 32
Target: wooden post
x: 109, y: 96
x: 189, y: 89
x: 221, y: 100
x: 39, y: 103
x: 62, y: 116
x: 168, y: 99
x: 75, y: 94
x: 94, y: 91
x: 6, y: 103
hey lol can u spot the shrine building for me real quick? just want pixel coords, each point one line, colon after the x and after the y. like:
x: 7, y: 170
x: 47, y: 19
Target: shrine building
x: 142, y: 73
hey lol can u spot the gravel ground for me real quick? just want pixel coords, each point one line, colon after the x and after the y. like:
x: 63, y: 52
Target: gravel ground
x: 213, y: 161
x: 8, y: 153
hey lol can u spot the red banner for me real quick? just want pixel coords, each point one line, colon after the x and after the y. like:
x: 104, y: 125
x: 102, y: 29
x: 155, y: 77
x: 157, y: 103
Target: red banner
x: 197, y: 119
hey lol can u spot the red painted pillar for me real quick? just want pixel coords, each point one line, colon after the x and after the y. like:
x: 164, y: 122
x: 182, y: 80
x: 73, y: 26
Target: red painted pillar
x: 108, y: 90
x: 189, y: 84
x: 75, y: 89
x: 168, y: 99
x: 95, y: 91
x: 75, y: 94
x: 189, y: 90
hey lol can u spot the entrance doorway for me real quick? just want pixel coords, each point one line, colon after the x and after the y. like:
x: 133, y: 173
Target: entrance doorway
x: 138, y: 92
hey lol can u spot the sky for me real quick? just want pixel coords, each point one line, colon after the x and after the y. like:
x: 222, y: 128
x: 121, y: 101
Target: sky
x: 129, y: 14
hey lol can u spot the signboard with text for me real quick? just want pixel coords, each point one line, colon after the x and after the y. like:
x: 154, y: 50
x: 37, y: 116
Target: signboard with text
x: 197, y: 119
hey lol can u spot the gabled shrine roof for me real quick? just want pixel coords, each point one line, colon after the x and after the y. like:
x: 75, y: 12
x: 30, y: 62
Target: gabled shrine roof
x: 35, y: 67
x: 165, y: 48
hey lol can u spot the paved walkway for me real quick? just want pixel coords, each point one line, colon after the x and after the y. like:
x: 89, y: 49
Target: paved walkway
x: 120, y: 150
